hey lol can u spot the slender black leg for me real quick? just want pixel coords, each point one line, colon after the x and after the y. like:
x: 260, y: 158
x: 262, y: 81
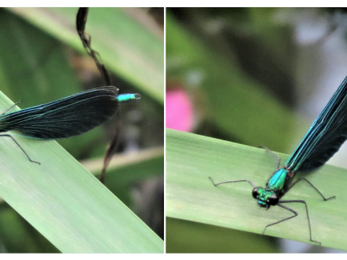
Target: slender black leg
x: 14, y: 140
x: 275, y: 223
x: 295, y: 214
x: 274, y: 155
x: 324, y: 198
x: 225, y: 182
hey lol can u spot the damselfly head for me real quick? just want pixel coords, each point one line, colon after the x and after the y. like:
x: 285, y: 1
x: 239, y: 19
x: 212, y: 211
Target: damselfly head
x: 265, y: 198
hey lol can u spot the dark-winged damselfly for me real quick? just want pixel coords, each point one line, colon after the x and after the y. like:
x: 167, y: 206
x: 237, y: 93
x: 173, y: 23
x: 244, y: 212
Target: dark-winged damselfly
x: 326, y: 135
x: 66, y: 117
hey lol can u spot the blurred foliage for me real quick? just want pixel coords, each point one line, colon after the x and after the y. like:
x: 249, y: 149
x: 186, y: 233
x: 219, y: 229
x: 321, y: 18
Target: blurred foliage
x: 234, y: 102
x: 40, y: 63
x: 198, y: 239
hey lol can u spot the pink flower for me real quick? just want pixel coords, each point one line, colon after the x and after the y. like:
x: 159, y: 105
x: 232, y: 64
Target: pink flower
x: 179, y: 111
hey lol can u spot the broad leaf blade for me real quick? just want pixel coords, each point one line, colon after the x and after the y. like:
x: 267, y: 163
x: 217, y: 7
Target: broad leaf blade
x: 66, y: 203
x: 190, y: 195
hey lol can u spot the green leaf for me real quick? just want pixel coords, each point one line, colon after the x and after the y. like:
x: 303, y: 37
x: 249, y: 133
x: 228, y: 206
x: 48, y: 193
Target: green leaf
x: 128, y: 169
x: 190, y: 195
x: 66, y: 203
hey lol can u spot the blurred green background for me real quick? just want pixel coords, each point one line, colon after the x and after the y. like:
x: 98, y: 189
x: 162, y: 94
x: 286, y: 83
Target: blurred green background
x: 255, y: 76
x: 42, y: 59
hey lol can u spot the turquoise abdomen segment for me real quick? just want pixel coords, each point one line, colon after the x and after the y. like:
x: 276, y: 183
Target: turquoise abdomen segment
x: 128, y: 97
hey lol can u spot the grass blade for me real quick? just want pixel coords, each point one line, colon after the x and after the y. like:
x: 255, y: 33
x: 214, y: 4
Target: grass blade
x: 190, y: 159
x: 66, y: 203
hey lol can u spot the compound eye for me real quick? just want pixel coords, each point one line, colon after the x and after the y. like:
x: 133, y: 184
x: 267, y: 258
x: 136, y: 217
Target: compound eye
x: 273, y: 200
x: 255, y: 192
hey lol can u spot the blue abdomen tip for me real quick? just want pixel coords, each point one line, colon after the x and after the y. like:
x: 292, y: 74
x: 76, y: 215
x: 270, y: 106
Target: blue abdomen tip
x: 128, y: 97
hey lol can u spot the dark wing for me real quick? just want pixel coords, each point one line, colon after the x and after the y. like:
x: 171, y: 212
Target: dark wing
x: 327, y: 133
x: 65, y: 117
